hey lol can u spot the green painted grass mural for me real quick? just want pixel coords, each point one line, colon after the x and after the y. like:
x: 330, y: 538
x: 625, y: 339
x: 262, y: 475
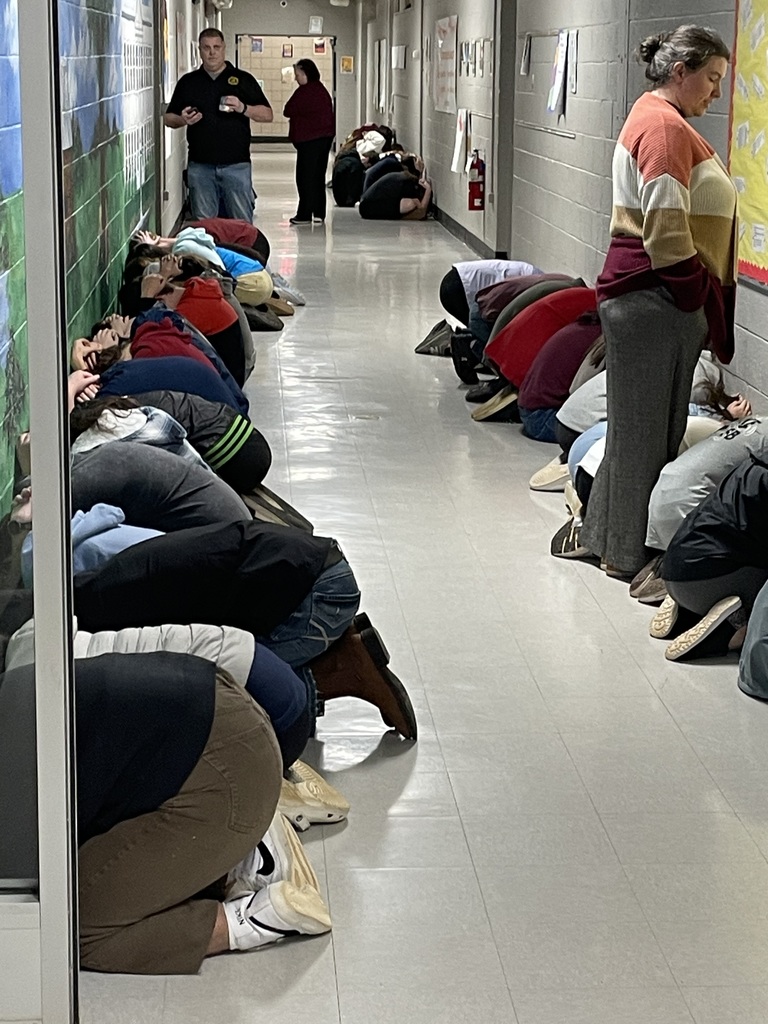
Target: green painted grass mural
x: 109, y: 158
x: 108, y: 173
x: 14, y: 416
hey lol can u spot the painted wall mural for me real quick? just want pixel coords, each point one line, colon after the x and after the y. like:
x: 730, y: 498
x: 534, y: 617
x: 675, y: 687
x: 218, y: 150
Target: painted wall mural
x: 13, y: 310
x: 109, y: 178
x: 109, y: 145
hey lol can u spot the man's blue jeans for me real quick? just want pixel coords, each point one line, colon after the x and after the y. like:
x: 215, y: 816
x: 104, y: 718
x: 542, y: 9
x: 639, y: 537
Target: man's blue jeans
x: 324, y: 614
x: 221, y: 190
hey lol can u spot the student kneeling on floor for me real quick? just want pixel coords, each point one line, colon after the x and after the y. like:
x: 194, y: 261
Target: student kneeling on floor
x: 180, y: 853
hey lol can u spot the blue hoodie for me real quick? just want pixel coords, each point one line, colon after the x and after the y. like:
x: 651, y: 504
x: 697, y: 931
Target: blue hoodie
x: 97, y: 536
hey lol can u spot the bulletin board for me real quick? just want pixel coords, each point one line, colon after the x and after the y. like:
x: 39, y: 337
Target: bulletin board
x: 748, y: 154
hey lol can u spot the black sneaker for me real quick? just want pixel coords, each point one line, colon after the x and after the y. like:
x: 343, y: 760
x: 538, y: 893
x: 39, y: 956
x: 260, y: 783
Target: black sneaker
x: 300, y: 220
x: 464, y: 359
x: 437, y: 342
x: 566, y: 542
x: 482, y: 392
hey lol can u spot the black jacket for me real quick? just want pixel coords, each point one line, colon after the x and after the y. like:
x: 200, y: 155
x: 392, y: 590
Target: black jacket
x: 142, y: 722
x: 245, y: 574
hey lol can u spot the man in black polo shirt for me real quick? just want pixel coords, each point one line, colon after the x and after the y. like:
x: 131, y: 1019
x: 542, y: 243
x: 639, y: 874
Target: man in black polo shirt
x: 216, y: 104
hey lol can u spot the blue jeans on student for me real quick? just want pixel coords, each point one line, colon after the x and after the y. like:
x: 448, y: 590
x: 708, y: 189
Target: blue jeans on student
x: 538, y: 424
x: 480, y: 328
x: 221, y: 190
x: 324, y: 614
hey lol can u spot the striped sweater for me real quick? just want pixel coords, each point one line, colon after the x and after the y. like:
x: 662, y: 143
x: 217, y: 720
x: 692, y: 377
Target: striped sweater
x: 672, y: 191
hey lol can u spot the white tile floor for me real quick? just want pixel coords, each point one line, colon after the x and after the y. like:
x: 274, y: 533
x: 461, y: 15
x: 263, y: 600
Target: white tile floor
x: 580, y: 835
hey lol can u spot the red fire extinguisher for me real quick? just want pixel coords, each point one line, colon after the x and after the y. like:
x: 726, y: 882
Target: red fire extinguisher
x: 476, y: 182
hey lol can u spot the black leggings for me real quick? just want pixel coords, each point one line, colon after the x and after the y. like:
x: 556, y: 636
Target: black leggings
x: 453, y: 298
x: 311, y: 169
x: 565, y: 438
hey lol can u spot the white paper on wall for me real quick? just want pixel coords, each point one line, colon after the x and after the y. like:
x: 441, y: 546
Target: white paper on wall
x: 556, y: 99
x: 460, y: 142
x: 573, y: 59
x: 444, y: 80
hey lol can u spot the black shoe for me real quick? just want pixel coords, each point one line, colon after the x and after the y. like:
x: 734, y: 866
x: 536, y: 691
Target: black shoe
x: 437, y: 342
x: 500, y: 408
x: 483, y: 392
x: 300, y: 220
x: 464, y: 359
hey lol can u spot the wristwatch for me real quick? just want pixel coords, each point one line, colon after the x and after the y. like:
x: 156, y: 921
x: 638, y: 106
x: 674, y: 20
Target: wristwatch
x: 245, y: 106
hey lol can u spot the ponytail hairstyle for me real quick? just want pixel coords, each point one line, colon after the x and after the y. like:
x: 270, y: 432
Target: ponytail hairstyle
x: 689, y: 44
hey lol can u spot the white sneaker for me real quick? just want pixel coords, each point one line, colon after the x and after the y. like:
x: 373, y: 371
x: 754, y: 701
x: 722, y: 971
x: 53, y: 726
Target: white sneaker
x: 551, y: 477
x: 307, y: 799
x: 289, y: 292
x: 278, y: 857
x: 277, y: 912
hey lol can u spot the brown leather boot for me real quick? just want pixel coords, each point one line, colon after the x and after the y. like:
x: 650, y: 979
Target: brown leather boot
x: 356, y: 666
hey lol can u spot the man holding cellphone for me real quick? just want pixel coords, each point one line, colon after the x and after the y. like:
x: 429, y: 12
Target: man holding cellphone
x: 216, y: 104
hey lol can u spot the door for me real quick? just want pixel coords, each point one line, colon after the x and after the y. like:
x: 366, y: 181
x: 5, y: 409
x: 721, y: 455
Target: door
x: 270, y: 60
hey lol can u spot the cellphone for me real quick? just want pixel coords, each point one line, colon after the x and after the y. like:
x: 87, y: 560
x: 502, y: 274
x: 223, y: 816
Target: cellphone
x: 194, y: 110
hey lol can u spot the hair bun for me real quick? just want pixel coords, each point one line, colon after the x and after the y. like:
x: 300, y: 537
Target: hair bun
x: 650, y: 47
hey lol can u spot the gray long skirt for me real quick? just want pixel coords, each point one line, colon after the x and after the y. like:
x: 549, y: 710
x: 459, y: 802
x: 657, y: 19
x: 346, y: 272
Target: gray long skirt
x: 651, y: 352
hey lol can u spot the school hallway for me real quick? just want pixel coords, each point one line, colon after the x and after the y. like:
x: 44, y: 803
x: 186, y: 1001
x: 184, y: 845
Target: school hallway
x: 579, y: 835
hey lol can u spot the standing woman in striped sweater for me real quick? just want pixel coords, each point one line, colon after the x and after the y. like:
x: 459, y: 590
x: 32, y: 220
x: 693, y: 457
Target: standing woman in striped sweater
x: 667, y: 287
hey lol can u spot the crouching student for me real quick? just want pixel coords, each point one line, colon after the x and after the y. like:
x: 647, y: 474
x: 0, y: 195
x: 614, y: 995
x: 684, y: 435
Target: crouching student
x: 181, y: 855
x: 715, y: 566
x: 270, y: 682
x: 400, y: 195
x: 294, y: 592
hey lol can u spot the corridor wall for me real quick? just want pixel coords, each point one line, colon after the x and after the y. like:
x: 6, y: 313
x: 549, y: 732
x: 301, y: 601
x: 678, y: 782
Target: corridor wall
x: 411, y: 110
x: 13, y: 309
x: 185, y: 21
x: 561, y: 190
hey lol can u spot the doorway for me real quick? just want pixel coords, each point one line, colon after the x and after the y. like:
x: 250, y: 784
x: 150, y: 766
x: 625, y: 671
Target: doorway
x: 270, y: 60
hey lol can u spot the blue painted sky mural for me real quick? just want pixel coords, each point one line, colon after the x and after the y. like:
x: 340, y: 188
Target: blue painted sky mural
x: 13, y: 312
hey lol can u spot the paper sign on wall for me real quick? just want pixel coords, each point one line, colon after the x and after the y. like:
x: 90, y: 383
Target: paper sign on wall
x: 444, y: 80
x: 398, y: 58
x: 573, y: 59
x: 460, y: 142
x: 556, y: 99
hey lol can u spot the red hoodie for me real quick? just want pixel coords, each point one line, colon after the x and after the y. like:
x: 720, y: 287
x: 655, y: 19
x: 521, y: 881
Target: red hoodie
x: 204, y: 305
x: 155, y: 340
x: 225, y: 231
x: 310, y: 111
x: 515, y: 347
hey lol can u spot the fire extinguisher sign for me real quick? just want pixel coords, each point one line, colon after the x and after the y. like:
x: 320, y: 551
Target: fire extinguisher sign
x: 476, y: 182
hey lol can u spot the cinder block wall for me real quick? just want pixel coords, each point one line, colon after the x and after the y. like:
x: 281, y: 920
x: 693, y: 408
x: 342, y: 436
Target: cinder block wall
x: 561, y: 191
x: 185, y: 22
x: 411, y: 108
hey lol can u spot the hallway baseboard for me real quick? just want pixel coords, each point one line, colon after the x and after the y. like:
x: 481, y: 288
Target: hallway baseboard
x: 466, y: 236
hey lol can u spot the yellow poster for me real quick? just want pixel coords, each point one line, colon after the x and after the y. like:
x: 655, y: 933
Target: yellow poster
x: 749, y: 123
